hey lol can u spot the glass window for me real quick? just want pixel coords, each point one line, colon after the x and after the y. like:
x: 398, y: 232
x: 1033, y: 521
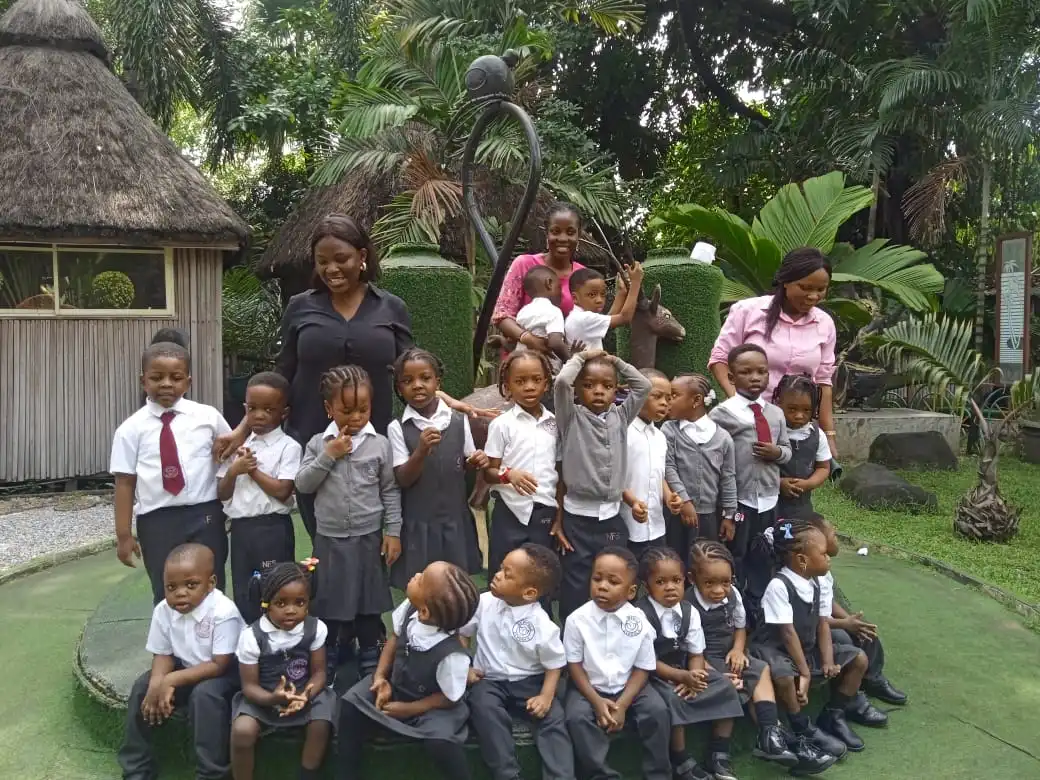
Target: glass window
x: 101, y: 280
x: 26, y: 279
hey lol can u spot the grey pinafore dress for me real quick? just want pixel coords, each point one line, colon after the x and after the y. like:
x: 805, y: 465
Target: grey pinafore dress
x: 438, y: 524
x: 716, y: 702
x: 718, y: 626
x: 801, y: 466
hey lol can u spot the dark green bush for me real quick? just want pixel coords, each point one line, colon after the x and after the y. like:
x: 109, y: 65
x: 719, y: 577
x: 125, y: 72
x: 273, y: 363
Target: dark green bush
x: 111, y: 290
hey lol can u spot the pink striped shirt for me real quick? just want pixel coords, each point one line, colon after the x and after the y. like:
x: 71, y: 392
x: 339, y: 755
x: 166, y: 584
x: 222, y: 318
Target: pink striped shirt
x: 805, y: 345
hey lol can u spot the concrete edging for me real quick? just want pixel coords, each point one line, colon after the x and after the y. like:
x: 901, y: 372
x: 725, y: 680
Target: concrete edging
x: 49, y: 560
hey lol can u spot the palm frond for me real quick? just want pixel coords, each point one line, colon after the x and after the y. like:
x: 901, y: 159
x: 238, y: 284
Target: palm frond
x: 914, y: 78
x: 611, y: 16
x: 371, y: 110
x: 380, y: 154
x: 399, y: 225
x: 924, y: 203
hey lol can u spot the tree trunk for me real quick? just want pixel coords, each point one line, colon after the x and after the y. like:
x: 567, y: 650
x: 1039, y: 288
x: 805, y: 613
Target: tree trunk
x: 875, y: 187
x: 982, y: 258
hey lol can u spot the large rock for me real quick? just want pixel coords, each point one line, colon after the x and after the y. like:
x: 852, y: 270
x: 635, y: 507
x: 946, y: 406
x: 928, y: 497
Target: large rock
x: 919, y: 451
x: 876, y: 487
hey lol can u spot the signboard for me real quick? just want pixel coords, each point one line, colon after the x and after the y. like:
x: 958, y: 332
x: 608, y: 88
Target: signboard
x: 1014, y: 282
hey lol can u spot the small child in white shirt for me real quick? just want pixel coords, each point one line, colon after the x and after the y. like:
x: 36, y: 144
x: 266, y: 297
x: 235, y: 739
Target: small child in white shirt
x: 586, y: 322
x: 542, y: 316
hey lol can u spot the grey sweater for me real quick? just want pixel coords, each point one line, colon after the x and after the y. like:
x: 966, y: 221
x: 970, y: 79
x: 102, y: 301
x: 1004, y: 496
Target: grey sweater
x: 702, y: 473
x: 356, y: 494
x: 756, y: 478
x: 595, y: 448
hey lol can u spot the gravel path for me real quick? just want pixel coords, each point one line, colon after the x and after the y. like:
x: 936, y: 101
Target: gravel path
x: 31, y: 527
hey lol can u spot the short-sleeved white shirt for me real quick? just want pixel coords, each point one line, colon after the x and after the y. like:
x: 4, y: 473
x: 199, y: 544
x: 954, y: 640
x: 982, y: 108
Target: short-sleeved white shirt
x: 823, y: 449
x: 827, y: 590
x: 541, y: 317
x: 671, y: 621
x: 609, y: 645
x: 249, y: 649
x: 514, y: 643
x: 278, y: 456
x: 739, y: 613
x: 588, y: 327
x: 453, y: 670
x: 209, y: 630
x: 526, y: 444
x: 440, y: 420
x: 776, y: 604
x: 644, y: 478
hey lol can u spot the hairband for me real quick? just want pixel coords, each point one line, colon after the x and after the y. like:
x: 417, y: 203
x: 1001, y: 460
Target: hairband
x: 309, y: 563
x: 786, y: 528
x: 264, y: 605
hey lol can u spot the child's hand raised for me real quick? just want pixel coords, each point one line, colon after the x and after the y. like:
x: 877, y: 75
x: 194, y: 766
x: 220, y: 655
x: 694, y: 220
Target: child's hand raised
x: 592, y: 354
x: 478, y: 460
x: 245, y: 462
x: 428, y: 439
x: 523, y: 482
x: 765, y: 450
x: 391, y: 549
x: 688, y: 515
x: 340, y: 446
x: 635, y: 275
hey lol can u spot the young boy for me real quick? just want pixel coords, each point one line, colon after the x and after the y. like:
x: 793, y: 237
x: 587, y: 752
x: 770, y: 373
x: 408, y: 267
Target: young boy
x: 646, y: 491
x: 162, y: 462
x: 518, y: 664
x: 610, y: 654
x: 257, y: 487
x: 192, y: 638
x: 760, y: 446
x: 586, y: 322
x: 593, y: 447
x: 542, y: 316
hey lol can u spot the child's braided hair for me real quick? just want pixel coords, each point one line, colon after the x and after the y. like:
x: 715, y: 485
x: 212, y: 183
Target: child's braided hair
x: 655, y: 555
x: 706, y: 550
x: 513, y: 357
x: 453, y: 605
x: 791, y: 537
x: 336, y: 381
x: 798, y: 383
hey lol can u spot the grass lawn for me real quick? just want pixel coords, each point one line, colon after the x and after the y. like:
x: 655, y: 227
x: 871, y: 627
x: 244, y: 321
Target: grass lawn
x: 1011, y: 566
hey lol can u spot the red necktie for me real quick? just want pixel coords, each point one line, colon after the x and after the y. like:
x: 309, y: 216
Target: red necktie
x: 765, y: 436
x: 172, y: 476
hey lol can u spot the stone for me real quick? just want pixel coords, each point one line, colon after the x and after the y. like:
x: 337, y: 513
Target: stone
x: 917, y: 451
x: 857, y: 428
x: 873, y: 486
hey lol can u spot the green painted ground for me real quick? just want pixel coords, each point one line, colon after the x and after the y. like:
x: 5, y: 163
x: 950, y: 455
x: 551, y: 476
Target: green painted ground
x: 969, y: 664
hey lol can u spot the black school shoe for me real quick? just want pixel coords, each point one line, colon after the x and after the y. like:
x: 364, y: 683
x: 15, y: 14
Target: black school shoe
x: 719, y: 767
x: 822, y: 740
x: 811, y: 760
x: 833, y: 723
x: 882, y: 689
x: 688, y: 770
x: 861, y: 711
x: 773, y: 746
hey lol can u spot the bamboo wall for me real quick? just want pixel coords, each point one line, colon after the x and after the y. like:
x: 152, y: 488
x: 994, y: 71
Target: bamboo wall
x: 66, y: 383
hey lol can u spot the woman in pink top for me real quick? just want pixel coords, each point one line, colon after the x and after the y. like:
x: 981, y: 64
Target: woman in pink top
x: 796, y: 334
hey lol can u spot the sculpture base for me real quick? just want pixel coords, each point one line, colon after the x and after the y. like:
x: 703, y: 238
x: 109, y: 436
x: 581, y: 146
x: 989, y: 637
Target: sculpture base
x: 856, y: 429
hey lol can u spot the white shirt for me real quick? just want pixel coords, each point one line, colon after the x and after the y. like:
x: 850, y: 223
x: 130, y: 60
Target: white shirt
x: 277, y: 455
x: 777, y: 606
x: 823, y: 449
x: 740, y: 407
x: 525, y: 444
x: 249, y: 649
x: 644, y: 478
x: 671, y: 622
x: 827, y: 590
x: 453, y: 670
x: 514, y: 643
x: 440, y: 420
x: 209, y: 630
x: 586, y: 326
x: 609, y: 645
x: 541, y: 317
x: 739, y: 613
x: 135, y: 450
x: 699, y: 431
x: 355, y: 439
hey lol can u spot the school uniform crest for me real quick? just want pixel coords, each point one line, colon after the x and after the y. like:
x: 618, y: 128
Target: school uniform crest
x: 171, y: 472
x: 632, y: 626
x: 204, y: 628
x: 523, y: 630
x: 296, y: 669
x: 549, y: 425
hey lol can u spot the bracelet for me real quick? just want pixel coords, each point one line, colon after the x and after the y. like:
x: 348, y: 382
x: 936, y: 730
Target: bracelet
x: 521, y: 339
x: 830, y: 433
x: 503, y: 476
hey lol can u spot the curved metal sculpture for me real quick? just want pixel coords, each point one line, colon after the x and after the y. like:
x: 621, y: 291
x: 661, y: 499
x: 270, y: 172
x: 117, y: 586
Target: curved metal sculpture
x: 489, y: 82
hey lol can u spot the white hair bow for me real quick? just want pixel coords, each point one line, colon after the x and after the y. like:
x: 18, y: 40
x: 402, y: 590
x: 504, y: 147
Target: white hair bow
x: 709, y: 399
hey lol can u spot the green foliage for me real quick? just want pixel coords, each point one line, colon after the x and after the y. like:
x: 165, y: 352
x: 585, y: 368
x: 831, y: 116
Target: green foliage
x: 251, y: 312
x: 111, y: 290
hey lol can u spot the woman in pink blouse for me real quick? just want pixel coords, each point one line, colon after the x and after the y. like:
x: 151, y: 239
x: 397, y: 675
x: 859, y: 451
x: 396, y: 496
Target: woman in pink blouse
x: 796, y: 334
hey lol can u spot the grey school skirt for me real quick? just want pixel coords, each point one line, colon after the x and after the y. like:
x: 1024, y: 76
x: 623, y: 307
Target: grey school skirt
x: 752, y: 674
x: 718, y: 701
x: 351, y: 579
x: 781, y: 664
x: 322, y: 707
x: 449, y: 725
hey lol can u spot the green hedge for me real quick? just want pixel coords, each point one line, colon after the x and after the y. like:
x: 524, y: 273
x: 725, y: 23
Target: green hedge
x: 112, y: 290
x: 693, y: 293
x: 439, y: 295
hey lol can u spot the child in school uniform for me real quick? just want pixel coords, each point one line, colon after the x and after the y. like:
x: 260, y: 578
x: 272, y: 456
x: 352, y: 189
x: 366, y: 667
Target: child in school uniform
x: 593, y: 445
x: 432, y: 447
x: 699, y: 467
x: 192, y: 639
x: 646, y: 493
x: 357, y: 503
x: 518, y: 661
x: 810, y: 464
x: 164, y: 470
x: 257, y: 487
x: 760, y: 447
x: 586, y: 323
x: 610, y: 655
x: 418, y: 687
x: 693, y: 692
x: 281, y: 661
x: 176, y: 336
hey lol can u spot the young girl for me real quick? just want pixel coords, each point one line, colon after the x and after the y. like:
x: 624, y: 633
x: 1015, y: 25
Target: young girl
x: 417, y: 688
x: 693, y: 692
x: 357, y: 504
x: 797, y: 644
x: 810, y: 464
x: 281, y: 660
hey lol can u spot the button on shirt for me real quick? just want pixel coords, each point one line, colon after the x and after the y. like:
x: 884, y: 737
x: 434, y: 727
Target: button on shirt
x: 739, y: 613
x: 514, y: 643
x: 823, y: 450
x: 249, y: 650
x: 453, y: 670
x: 609, y: 645
x: 671, y: 622
x: 586, y: 326
x: 740, y: 407
x: 644, y: 478
x: 699, y: 431
x: 440, y: 419
x: 777, y: 606
x: 278, y: 456
x: 135, y: 450
x: 526, y: 444
x: 209, y: 630
x: 541, y: 317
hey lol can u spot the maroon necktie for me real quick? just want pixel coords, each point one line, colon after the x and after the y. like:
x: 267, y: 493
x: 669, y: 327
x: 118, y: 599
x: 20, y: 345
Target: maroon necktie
x: 765, y: 436
x: 172, y: 476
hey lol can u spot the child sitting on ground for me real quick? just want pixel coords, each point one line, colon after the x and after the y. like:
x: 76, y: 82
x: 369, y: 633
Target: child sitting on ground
x: 810, y: 464
x: 281, y: 660
x: 518, y: 663
x: 192, y: 639
x: 610, y: 655
x: 541, y: 317
x: 586, y: 323
x: 257, y: 489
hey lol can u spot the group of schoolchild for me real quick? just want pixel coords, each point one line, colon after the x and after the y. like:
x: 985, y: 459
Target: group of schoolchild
x: 658, y: 531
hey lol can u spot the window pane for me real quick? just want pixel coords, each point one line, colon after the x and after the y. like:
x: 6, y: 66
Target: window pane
x: 26, y: 280
x: 112, y: 280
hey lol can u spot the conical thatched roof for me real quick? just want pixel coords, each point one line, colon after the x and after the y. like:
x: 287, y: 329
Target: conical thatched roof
x: 79, y: 158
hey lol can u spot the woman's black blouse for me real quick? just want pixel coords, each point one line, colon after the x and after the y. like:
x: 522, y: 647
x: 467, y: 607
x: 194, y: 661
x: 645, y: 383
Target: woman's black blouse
x: 315, y: 338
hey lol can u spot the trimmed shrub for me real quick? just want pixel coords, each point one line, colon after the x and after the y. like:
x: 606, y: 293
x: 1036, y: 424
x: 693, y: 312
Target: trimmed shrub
x: 112, y: 290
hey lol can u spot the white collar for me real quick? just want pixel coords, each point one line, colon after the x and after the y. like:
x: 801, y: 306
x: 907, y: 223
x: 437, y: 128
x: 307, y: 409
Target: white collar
x: 641, y: 425
x: 700, y: 430
x: 516, y: 410
x: 661, y: 608
x: 333, y: 431
x: 707, y: 604
x: 601, y: 615
x: 517, y: 612
x: 201, y: 612
x: 267, y: 627
x: 273, y: 436
x: 796, y: 578
x: 743, y: 403
x: 807, y: 428
x: 442, y: 410
x: 159, y: 410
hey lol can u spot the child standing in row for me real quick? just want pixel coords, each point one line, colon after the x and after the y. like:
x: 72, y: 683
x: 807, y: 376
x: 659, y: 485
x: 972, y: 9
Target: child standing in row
x: 810, y: 464
x: 586, y: 323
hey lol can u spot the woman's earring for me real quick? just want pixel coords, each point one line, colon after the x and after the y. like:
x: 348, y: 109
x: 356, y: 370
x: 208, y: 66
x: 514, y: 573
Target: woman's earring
x: 364, y: 267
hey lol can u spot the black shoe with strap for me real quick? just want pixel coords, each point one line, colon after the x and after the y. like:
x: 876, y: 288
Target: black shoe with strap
x: 773, y: 746
x: 832, y: 721
x: 811, y: 760
x: 881, y: 688
x: 688, y: 770
x: 861, y: 711
x: 719, y: 767
x: 824, y: 741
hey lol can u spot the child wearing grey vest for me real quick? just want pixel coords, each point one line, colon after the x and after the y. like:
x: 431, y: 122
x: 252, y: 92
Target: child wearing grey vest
x: 810, y: 464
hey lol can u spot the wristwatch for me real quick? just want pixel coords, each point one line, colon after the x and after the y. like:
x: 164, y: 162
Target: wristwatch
x: 503, y: 475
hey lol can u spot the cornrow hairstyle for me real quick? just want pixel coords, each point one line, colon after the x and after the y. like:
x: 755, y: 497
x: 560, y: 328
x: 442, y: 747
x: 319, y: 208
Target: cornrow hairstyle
x: 563, y: 207
x: 706, y: 550
x: 655, y: 555
x: 653, y: 373
x: 513, y: 358
x: 797, y: 264
x: 420, y: 355
x: 743, y: 349
x: 545, y: 567
x: 537, y: 279
x: 798, y: 383
x: 336, y: 381
x: 453, y: 605
x: 703, y: 386
x: 276, y: 578
x: 791, y: 537
x: 271, y: 379
x: 177, y: 336
x: 164, y: 349
x: 191, y: 551
x: 620, y: 552
x: 581, y: 276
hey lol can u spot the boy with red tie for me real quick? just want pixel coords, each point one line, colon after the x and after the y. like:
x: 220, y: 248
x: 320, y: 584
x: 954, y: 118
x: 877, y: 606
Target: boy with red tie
x: 164, y: 471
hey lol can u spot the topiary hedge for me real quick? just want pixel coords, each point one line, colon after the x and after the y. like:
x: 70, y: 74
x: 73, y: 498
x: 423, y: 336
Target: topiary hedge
x: 111, y: 290
x: 439, y: 295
